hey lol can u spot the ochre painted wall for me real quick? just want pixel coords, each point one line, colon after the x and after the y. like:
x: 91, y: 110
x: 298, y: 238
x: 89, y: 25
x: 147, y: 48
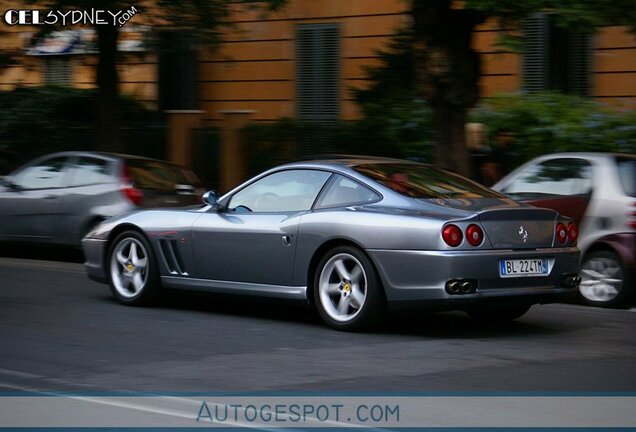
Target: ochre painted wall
x: 255, y: 68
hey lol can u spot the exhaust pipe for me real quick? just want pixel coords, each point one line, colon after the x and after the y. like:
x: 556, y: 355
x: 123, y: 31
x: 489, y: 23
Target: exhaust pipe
x: 571, y: 281
x: 453, y: 287
x: 461, y: 286
x: 466, y: 287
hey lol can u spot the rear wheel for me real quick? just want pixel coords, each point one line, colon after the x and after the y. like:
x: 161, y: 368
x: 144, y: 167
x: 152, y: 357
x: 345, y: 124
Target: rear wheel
x: 347, y: 291
x: 603, y: 280
x: 132, y: 270
x: 502, y: 314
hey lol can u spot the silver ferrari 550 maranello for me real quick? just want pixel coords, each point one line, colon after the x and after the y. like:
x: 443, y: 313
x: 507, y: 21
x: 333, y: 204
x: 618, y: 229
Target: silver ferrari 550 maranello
x: 351, y: 236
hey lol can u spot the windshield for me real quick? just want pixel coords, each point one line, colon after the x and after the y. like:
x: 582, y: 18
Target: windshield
x: 423, y: 181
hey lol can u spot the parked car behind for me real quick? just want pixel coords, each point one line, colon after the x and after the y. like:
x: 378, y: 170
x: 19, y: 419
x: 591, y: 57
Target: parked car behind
x: 598, y: 191
x: 59, y: 197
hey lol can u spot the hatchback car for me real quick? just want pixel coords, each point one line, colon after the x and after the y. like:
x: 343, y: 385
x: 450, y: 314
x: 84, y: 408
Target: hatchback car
x: 598, y: 191
x: 58, y: 198
x: 349, y: 236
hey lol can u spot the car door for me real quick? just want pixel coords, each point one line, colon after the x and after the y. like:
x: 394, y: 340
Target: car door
x: 253, y: 239
x: 31, y: 206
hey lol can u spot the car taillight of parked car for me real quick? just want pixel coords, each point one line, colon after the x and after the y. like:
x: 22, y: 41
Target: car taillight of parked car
x: 134, y: 194
x: 632, y: 215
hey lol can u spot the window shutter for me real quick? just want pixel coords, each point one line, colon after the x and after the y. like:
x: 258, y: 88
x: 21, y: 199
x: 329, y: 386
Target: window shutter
x: 536, y: 32
x: 57, y: 71
x: 318, y: 72
x: 581, y: 64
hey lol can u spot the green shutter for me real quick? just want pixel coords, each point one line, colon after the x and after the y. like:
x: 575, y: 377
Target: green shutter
x: 318, y: 72
x: 536, y: 32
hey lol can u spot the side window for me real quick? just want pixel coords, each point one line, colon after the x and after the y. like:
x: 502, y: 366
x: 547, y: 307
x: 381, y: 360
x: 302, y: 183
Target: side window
x: 284, y: 191
x: 344, y: 192
x: 46, y: 174
x: 88, y: 171
x: 563, y: 177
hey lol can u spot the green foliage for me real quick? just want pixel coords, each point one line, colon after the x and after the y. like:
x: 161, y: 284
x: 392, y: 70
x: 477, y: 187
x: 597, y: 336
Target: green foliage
x: 551, y: 122
x: 396, y: 120
x: 38, y: 120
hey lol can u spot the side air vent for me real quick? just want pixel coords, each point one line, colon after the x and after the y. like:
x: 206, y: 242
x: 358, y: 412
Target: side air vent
x: 172, y: 258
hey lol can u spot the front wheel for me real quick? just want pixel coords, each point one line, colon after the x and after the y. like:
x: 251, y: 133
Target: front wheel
x: 603, y: 280
x: 133, y: 275
x: 347, y: 291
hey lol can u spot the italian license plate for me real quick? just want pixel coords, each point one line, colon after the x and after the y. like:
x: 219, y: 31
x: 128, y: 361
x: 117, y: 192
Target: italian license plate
x: 523, y: 267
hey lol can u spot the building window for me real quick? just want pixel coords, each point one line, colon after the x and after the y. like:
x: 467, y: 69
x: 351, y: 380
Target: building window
x: 555, y: 58
x: 318, y: 72
x: 57, y: 70
x: 177, y: 71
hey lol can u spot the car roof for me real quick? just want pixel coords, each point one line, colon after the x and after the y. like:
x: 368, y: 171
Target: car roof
x: 108, y: 155
x: 584, y: 155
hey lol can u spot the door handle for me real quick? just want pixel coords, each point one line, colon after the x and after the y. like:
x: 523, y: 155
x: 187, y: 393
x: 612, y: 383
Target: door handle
x: 286, y: 240
x: 49, y: 197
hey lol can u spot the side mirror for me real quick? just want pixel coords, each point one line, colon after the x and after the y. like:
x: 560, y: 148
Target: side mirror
x: 211, y: 198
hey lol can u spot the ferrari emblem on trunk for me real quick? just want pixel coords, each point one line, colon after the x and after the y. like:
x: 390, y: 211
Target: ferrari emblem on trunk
x: 523, y: 233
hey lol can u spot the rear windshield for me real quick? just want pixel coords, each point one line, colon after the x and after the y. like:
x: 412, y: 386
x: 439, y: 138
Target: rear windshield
x: 627, y: 174
x: 423, y: 181
x: 149, y: 174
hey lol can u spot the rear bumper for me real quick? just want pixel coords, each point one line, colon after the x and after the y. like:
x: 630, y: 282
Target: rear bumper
x: 412, y: 276
x: 94, y: 264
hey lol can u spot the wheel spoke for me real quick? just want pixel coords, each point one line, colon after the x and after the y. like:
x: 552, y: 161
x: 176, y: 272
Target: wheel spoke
x: 333, y: 289
x: 121, y: 259
x: 357, y: 297
x: 140, y: 263
x: 342, y: 271
x: 356, y: 273
x: 132, y: 254
x: 343, y: 305
x: 137, y: 282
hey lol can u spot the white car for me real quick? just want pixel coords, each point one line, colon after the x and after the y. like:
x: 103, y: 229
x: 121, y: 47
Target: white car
x: 598, y: 191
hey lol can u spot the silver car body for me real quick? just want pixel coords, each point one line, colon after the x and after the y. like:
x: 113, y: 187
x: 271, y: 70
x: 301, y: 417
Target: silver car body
x: 56, y: 209
x: 275, y: 254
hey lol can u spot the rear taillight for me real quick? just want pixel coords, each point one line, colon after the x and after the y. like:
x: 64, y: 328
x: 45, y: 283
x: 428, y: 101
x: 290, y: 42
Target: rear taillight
x: 132, y: 193
x: 573, y: 233
x: 474, y: 235
x: 452, y: 235
x: 632, y: 223
x: 561, y: 233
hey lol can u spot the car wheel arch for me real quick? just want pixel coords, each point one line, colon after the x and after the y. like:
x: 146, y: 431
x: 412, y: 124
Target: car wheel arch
x: 320, y: 253
x: 115, y: 233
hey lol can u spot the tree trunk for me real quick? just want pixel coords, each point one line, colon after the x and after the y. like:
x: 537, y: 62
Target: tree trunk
x: 108, y: 118
x: 449, y: 123
x: 447, y: 73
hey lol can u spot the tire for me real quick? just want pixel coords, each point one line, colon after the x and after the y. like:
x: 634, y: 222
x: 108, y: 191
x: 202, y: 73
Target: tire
x: 498, y: 315
x: 604, y: 280
x: 347, y: 291
x: 132, y: 270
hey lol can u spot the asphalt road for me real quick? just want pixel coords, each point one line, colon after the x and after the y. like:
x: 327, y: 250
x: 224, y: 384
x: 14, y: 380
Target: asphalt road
x: 61, y: 332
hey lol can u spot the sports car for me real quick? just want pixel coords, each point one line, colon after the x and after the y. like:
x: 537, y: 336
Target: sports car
x: 354, y: 237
